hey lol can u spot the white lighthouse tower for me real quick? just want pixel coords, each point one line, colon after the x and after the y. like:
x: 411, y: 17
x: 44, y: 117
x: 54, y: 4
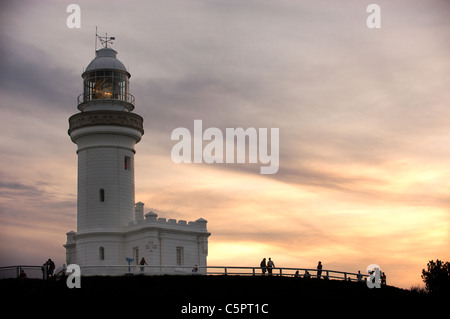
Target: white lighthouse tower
x: 110, y: 225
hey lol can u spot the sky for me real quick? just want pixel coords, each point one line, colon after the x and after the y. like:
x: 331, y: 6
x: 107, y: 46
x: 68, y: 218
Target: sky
x: 363, y: 114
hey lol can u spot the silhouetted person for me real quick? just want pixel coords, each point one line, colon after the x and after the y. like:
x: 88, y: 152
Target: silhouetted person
x: 307, y: 275
x: 195, y: 270
x: 22, y: 275
x: 296, y: 274
x: 319, y: 269
x: 142, y: 263
x: 359, y: 276
x: 263, y: 266
x: 270, y: 265
x: 50, y: 267
x: 383, y: 278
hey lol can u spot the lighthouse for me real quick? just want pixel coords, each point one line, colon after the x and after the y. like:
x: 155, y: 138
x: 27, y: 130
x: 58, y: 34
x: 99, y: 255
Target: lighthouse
x: 111, y: 226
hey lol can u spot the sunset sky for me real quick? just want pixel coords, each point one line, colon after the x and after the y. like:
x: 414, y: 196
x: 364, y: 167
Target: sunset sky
x: 363, y: 116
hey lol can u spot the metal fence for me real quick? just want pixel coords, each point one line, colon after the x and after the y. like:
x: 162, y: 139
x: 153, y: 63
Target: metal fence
x: 117, y: 270
x: 14, y: 271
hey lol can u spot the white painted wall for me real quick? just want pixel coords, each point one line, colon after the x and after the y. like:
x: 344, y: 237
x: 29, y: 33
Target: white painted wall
x: 101, y: 165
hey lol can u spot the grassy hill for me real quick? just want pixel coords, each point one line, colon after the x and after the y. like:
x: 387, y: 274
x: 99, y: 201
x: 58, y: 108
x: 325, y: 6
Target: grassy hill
x: 170, y: 295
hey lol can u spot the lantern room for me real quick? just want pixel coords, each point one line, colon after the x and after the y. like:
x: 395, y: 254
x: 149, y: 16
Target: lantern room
x: 106, y: 84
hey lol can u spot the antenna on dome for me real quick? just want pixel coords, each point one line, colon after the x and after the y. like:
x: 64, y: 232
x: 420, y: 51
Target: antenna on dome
x: 103, y: 40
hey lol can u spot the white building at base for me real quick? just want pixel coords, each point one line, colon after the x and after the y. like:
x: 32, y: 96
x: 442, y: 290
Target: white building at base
x: 110, y: 225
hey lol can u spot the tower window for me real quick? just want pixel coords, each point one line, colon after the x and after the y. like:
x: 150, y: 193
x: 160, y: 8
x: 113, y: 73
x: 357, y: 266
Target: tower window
x: 127, y: 163
x: 180, y: 256
x: 102, y: 194
x: 101, y: 253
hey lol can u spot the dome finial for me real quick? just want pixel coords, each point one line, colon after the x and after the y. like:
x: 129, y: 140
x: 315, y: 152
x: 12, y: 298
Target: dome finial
x: 103, y: 40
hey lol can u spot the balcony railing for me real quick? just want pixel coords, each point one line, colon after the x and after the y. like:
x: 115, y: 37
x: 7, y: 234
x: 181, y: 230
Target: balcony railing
x: 89, y: 97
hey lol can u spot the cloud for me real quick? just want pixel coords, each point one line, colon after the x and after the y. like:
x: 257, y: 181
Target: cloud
x: 31, y: 215
x: 12, y: 188
x: 35, y: 77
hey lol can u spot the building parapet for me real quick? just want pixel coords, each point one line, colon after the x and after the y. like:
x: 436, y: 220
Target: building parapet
x: 152, y: 218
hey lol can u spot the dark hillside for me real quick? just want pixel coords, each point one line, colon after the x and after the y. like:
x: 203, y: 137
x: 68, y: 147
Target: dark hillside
x: 172, y: 295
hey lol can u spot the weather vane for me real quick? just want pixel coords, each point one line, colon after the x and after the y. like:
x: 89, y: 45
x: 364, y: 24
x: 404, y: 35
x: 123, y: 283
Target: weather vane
x: 103, y: 40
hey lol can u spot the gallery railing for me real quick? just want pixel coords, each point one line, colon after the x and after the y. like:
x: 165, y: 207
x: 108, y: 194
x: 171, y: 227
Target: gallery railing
x: 124, y: 97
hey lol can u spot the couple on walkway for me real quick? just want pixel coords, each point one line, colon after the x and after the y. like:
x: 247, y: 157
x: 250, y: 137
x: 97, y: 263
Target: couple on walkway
x: 270, y: 265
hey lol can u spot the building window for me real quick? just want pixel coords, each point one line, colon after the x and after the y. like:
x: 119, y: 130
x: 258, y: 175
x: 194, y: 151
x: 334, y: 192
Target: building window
x: 101, y: 253
x: 102, y: 194
x: 136, y: 254
x: 127, y: 163
x: 180, y: 256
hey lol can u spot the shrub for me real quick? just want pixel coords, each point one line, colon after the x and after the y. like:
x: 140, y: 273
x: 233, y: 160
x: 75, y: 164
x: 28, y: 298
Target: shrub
x: 437, y: 277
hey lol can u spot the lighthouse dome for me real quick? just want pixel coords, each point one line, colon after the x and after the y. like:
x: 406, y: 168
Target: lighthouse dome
x: 105, y: 58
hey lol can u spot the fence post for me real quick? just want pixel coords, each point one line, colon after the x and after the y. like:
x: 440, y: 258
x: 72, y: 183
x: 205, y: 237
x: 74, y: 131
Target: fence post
x: 225, y: 268
x: 253, y: 271
x: 345, y: 276
x: 281, y: 272
x: 44, y: 272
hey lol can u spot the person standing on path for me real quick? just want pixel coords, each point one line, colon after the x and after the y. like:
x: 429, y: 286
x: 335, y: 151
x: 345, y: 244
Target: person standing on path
x: 142, y: 263
x: 270, y: 266
x: 263, y: 266
x: 319, y: 269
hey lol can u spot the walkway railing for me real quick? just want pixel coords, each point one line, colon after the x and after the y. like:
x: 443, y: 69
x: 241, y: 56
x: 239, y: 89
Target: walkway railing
x: 14, y: 271
x: 117, y: 270
x: 284, y: 271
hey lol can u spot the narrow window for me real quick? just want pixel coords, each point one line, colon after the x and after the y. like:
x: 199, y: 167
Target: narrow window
x: 180, y: 257
x: 127, y: 162
x: 101, y: 253
x: 136, y: 255
x: 102, y: 194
